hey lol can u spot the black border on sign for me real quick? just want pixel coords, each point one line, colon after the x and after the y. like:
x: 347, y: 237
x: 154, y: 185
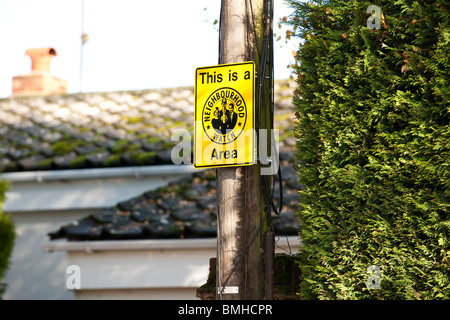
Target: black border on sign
x: 252, y: 120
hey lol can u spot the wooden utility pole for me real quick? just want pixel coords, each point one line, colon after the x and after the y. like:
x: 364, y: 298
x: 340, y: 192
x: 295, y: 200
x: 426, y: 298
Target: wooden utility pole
x: 241, y: 208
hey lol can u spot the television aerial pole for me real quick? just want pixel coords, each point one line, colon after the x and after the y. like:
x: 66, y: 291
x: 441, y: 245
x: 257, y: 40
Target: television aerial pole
x: 84, y: 39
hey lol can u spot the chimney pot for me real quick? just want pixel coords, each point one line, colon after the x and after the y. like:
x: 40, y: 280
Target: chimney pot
x: 39, y: 81
x: 40, y: 58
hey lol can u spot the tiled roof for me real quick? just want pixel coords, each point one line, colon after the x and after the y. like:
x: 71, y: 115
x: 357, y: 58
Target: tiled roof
x: 95, y: 130
x: 183, y: 209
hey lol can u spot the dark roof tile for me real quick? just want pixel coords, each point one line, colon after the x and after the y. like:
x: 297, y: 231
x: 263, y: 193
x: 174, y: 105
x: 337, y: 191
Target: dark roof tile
x: 128, y: 231
x: 189, y: 213
x: 64, y: 161
x: 35, y: 162
x: 105, y: 216
x: 149, y: 213
x: 184, y: 208
x: 165, y: 229
x: 85, y: 229
x: 205, y: 228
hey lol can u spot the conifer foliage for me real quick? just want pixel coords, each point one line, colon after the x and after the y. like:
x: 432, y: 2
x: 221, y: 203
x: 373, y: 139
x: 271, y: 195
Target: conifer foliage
x: 374, y: 148
x: 7, y: 236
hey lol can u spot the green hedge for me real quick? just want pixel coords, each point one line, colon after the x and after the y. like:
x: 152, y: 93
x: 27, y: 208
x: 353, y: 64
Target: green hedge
x: 373, y: 145
x: 7, y: 236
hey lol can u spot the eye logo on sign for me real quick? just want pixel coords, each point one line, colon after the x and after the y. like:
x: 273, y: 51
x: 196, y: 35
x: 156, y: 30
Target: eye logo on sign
x: 224, y: 116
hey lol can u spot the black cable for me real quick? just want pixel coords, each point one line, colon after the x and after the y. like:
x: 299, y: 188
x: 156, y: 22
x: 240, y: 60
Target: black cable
x: 268, y: 42
x: 253, y: 26
x: 268, y: 46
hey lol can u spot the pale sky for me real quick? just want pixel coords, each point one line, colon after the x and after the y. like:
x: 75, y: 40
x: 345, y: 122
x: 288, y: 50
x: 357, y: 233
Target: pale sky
x: 133, y: 44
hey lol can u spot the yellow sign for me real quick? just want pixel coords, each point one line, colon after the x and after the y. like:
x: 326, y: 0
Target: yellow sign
x: 224, y: 132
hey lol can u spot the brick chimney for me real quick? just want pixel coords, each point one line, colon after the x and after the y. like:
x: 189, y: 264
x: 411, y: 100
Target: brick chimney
x: 39, y: 81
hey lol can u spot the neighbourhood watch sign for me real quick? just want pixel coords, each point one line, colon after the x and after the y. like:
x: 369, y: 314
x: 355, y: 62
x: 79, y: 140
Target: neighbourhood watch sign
x: 224, y: 132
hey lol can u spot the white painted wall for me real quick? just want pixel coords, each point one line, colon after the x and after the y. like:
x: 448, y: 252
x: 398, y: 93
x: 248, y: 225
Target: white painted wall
x: 33, y: 274
x: 153, y: 274
x: 145, y: 269
x: 85, y: 188
x: 138, y: 294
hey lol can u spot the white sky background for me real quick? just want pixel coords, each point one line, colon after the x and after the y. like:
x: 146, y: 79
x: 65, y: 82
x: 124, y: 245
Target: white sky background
x: 133, y: 44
